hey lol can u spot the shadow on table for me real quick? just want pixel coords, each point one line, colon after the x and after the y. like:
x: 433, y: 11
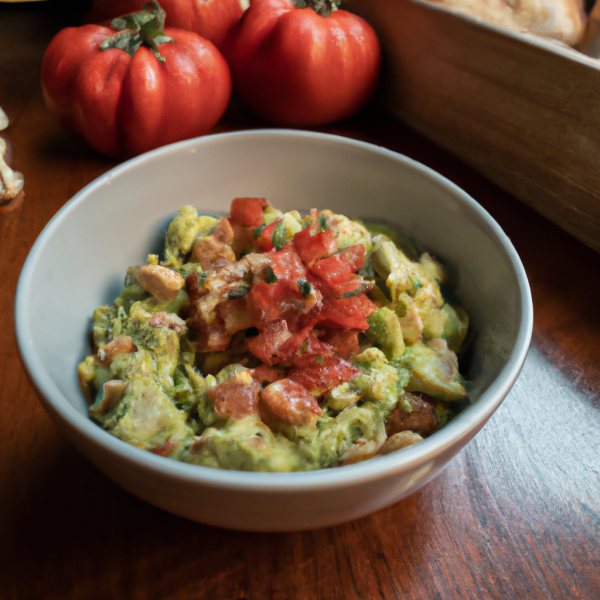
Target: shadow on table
x: 62, y: 145
x: 75, y: 534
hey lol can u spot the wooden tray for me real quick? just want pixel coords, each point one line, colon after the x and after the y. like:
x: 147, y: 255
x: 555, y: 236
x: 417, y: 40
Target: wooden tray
x: 521, y: 110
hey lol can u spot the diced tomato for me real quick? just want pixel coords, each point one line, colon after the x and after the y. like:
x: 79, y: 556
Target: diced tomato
x: 248, y: 211
x: 263, y: 242
x: 335, y: 269
x: 235, y: 397
x: 317, y: 347
x: 338, y: 270
x: 289, y: 402
x: 310, y: 348
x: 319, y: 375
x: 343, y: 313
x: 343, y: 341
x: 264, y: 373
x: 291, y: 347
x: 287, y: 264
x: 311, y: 245
x: 347, y: 313
x: 236, y: 315
x: 353, y: 286
x: 242, y: 240
x: 266, y: 344
x: 279, y: 300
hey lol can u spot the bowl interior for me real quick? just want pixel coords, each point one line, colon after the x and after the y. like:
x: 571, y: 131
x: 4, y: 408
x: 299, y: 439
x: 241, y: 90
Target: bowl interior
x: 80, y: 260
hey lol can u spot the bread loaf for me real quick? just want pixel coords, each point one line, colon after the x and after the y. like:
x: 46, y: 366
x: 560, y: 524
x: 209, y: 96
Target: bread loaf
x: 562, y: 20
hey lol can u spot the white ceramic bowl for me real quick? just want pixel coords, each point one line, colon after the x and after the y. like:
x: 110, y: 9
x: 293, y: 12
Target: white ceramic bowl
x: 79, y: 261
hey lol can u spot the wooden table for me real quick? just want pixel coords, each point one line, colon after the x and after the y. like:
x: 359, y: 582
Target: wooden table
x: 515, y: 515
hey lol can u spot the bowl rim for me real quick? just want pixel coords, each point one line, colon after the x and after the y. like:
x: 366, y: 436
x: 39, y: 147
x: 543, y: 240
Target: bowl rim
x: 463, y: 427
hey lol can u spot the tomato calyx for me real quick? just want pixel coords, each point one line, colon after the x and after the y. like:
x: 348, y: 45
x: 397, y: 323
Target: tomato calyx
x: 324, y: 8
x: 144, y: 27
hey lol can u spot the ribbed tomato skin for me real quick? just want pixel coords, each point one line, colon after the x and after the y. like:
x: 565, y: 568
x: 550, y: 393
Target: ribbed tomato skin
x: 292, y: 66
x: 123, y: 106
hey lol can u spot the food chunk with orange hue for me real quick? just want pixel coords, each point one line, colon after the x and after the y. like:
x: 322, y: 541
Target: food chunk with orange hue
x: 312, y: 246
x: 248, y: 212
x: 214, y: 251
x: 343, y: 341
x: 319, y: 375
x: 161, y: 282
x: 236, y: 397
x: 288, y: 402
x: 264, y: 374
x: 120, y: 345
x: 235, y: 315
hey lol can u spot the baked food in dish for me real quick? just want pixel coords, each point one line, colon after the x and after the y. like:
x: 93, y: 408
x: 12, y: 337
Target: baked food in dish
x: 562, y: 20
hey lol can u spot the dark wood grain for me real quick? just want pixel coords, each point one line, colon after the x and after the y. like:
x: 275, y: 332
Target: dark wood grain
x: 515, y: 515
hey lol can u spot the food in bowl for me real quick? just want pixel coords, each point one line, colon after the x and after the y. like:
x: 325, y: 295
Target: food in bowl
x: 270, y: 341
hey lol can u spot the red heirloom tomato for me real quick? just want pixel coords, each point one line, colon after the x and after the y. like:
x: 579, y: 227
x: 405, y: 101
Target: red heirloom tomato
x: 302, y: 66
x: 211, y: 19
x: 126, y: 92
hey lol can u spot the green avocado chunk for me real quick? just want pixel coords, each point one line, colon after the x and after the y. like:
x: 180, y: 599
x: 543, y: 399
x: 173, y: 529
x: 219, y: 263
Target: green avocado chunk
x: 433, y: 370
x: 385, y: 330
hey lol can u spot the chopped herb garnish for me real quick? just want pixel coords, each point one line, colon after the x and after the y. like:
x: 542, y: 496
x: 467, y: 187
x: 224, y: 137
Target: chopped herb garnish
x: 199, y: 278
x: 319, y: 360
x: 406, y: 406
x: 367, y: 269
x: 303, y: 347
x: 359, y: 289
x: 189, y: 268
x: 322, y: 225
x: 417, y: 285
x: 238, y: 293
x: 256, y: 232
x: 279, y: 237
x: 270, y: 277
x: 305, y: 287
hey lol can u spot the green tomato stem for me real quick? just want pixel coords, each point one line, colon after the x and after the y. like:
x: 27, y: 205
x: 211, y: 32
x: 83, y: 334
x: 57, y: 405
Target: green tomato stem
x: 321, y: 7
x: 144, y: 27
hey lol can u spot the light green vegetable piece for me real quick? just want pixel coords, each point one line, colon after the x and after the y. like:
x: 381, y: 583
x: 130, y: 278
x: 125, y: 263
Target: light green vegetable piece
x: 147, y: 418
x: 347, y: 232
x: 450, y: 323
x: 183, y: 231
x: 385, y: 330
x: 161, y: 342
x: 103, y: 323
x: 379, y: 379
x: 244, y: 444
x: 357, y: 422
x: 393, y: 265
x: 433, y: 370
x: 344, y: 395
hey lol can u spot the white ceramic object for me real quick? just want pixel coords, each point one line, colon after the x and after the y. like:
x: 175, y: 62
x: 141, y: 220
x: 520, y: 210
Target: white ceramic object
x: 80, y: 259
x: 3, y: 120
